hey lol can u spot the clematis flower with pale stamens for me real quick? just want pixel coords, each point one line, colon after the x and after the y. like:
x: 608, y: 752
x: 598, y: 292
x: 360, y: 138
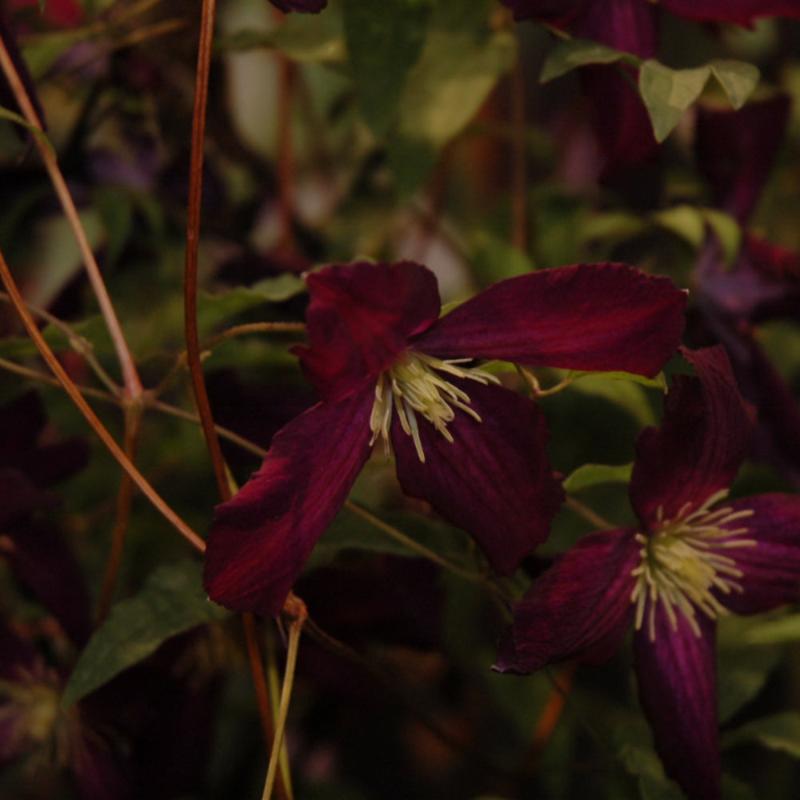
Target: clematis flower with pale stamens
x: 388, y: 368
x: 694, y: 557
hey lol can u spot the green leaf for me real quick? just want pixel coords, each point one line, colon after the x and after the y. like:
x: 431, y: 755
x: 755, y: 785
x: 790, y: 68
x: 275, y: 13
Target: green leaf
x: 349, y: 531
x: 12, y: 116
x: 734, y: 789
x: 493, y: 259
x: 309, y: 38
x: 784, y: 630
x: 742, y: 669
x: 172, y: 601
x: 727, y: 230
x: 779, y: 732
x: 628, y: 395
x: 593, y: 474
x: 738, y: 78
x: 383, y: 47
x: 667, y: 93
x: 635, y: 750
x: 659, y: 382
x: 214, y: 309
x: 443, y: 91
x: 685, y: 221
x: 573, y: 53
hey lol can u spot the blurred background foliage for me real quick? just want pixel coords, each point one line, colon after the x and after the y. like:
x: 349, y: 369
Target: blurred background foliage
x: 408, y: 129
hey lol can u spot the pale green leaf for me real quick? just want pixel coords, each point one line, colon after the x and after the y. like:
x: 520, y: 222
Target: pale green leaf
x: 573, y: 53
x: 172, y: 601
x: 12, y: 116
x: 450, y: 82
x: 727, y: 230
x: 593, y: 474
x: 383, y: 47
x: 626, y: 394
x: 784, y: 630
x: 685, y: 221
x: 309, y: 38
x: 667, y: 93
x: 213, y: 309
x: 658, y: 382
x: 738, y: 78
x: 493, y: 258
x: 779, y: 732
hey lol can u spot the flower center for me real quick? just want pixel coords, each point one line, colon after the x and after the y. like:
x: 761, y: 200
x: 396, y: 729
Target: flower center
x: 415, y: 385
x: 682, y: 565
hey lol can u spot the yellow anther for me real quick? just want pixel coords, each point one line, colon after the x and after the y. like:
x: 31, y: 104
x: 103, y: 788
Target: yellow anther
x: 416, y: 385
x: 682, y: 566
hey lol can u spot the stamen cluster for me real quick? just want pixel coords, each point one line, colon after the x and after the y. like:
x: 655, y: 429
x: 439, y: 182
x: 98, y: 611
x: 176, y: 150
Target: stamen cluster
x: 414, y: 385
x: 682, y: 566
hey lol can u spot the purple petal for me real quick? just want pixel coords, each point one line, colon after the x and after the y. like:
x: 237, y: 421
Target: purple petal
x: 772, y: 568
x: 700, y: 445
x: 360, y: 318
x: 763, y: 284
x: 494, y: 480
x: 261, y: 538
x: 739, y: 12
x: 585, y: 317
x: 677, y: 689
x: 736, y: 150
x: 580, y: 607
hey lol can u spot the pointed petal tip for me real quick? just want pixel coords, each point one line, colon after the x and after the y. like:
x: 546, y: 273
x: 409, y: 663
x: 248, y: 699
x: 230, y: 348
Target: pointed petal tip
x: 261, y: 539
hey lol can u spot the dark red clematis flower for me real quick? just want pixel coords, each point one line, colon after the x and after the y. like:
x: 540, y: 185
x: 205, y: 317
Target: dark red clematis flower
x: 386, y: 367
x: 735, y: 152
x: 694, y: 557
x: 304, y: 6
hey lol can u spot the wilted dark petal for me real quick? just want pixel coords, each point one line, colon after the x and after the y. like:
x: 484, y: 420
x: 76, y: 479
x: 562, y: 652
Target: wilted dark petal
x: 304, y: 6
x: 494, y: 480
x: 772, y: 568
x: 739, y: 12
x: 585, y: 317
x: 261, y: 539
x: 41, y: 561
x: 360, y: 318
x: 19, y: 498
x: 580, y: 607
x: 677, y: 689
x: 619, y: 118
x: 736, y: 149
x: 701, y: 443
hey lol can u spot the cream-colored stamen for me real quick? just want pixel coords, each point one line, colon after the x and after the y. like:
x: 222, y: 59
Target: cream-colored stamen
x: 415, y: 385
x: 682, y: 567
